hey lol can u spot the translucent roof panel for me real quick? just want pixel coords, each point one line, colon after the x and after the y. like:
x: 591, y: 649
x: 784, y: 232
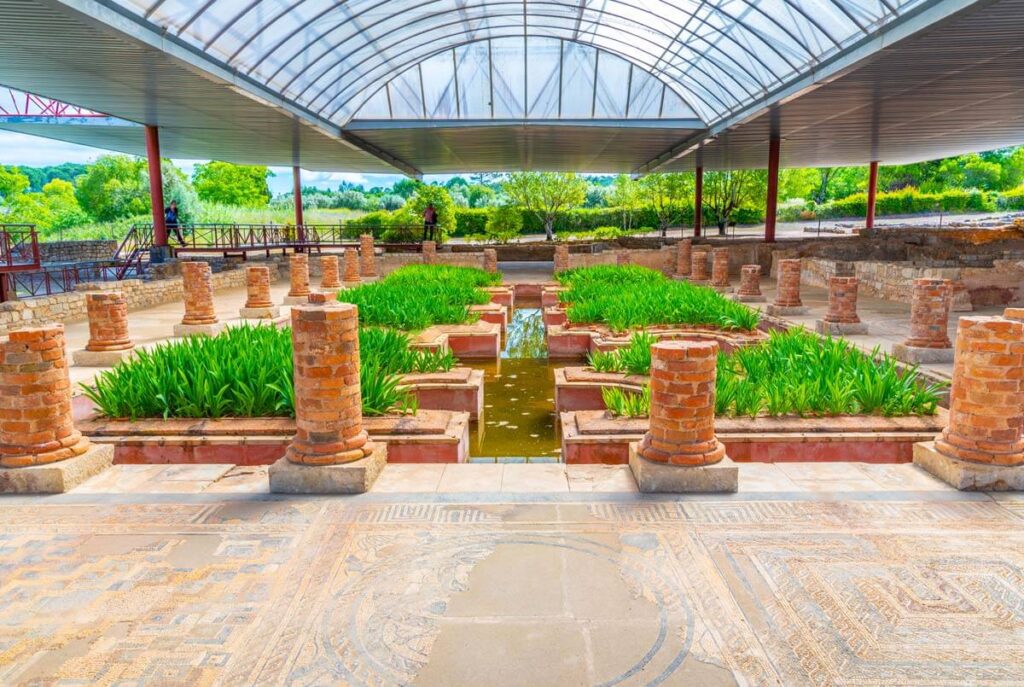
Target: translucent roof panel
x: 711, y: 57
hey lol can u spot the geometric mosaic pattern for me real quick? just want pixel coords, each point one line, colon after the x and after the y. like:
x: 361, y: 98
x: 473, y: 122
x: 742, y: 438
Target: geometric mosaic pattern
x: 695, y: 592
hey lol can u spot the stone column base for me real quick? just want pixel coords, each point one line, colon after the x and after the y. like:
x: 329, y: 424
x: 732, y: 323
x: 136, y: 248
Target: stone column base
x: 351, y: 284
x: 722, y: 289
x: 84, y: 358
x: 59, y: 477
x: 840, y: 328
x: 918, y: 356
x: 356, y: 477
x: 183, y: 330
x: 786, y: 310
x: 700, y: 282
x: 744, y: 298
x: 271, y: 312
x: 331, y: 294
x: 967, y: 476
x: 652, y: 478
x: 295, y: 300
x: 681, y: 277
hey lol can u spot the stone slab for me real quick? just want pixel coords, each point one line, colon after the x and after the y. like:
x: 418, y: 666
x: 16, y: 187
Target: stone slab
x: 921, y: 356
x: 840, y: 328
x: 350, y: 478
x: 269, y: 313
x: 183, y: 330
x: 84, y: 358
x: 59, y: 477
x: 295, y: 300
x: 967, y: 476
x: 722, y: 289
x: 657, y: 478
x: 742, y: 298
x: 786, y: 310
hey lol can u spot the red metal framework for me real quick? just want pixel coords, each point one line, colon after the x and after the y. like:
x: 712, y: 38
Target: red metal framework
x: 19, y: 248
x: 243, y: 238
x: 15, y: 103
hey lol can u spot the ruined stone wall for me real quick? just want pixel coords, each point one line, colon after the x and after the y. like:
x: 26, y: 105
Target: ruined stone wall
x: 76, y: 251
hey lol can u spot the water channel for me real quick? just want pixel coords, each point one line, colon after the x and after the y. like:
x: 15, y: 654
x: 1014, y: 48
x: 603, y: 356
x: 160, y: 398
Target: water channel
x: 518, y: 423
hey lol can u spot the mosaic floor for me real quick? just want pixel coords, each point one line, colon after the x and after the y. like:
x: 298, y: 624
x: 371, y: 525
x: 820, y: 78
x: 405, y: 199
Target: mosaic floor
x: 862, y: 588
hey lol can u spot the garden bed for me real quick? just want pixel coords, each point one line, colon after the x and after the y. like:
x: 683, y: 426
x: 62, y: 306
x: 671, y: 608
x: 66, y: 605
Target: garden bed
x: 477, y: 341
x: 460, y: 389
x: 575, y: 342
x: 429, y: 436
x: 595, y: 436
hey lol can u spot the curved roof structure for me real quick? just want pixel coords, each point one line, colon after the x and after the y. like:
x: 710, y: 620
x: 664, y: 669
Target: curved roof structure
x: 425, y: 86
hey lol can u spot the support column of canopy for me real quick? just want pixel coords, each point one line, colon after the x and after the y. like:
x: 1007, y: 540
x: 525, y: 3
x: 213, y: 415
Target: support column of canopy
x: 772, y: 197
x: 698, y: 200
x: 869, y: 221
x: 160, y: 250
x: 300, y: 230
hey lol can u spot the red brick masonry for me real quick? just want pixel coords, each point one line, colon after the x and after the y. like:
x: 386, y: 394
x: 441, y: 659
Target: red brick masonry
x: 490, y: 260
x: 329, y: 272
x: 351, y: 266
x: 683, y: 250
x: 198, y: 285
x: 257, y: 287
x: 788, y: 294
x: 699, y: 263
x: 561, y: 258
x: 842, y: 300
x: 750, y: 281
x: 367, y: 258
x: 35, y: 399
x: 299, y: 275
x: 108, y: 321
x: 929, y: 314
x: 720, y: 267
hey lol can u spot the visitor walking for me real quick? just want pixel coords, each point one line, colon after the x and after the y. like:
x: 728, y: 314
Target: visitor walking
x: 171, y: 220
x: 429, y: 222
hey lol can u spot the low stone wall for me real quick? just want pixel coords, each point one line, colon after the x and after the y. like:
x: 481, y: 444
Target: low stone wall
x: 70, y: 307
x: 76, y: 251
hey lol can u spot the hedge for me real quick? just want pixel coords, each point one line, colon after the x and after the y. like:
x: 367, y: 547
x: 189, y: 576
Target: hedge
x: 1012, y: 199
x: 908, y: 201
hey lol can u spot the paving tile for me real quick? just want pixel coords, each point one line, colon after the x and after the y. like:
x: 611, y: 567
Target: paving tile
x: 902, y: 477
x: 765, y: 477
x: 534, y: 477
x: 398, y: 478
x: 821, y: 471
x: 242, y: 479
x: 470, y: 477
x: 194, y: 473
x: 600, y: 478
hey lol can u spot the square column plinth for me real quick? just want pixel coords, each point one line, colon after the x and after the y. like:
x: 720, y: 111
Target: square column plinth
x: 270, y: 312
x: 722, y: 477
x: 213, y: 329
x: 58, y: 477
x: 967, y: 476
x: 916, y: 355
x: 840, y: 328
x: 355, y: 477
x: 87, y: 358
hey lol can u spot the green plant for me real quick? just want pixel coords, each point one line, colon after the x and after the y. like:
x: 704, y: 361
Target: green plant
x: 504, y: 223
x: 635, y: 358
x: 624, y: 403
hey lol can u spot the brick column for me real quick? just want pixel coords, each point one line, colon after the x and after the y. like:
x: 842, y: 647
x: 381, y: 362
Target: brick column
x: 298, y: 275
x: 1014, y: 314
x: 928, y: 341
x: 982, y: 447
x: 841, y: 317
x: 749, y: 290
x: 561, y: 257
x: 368, y: 260
x: 429, y: 253
x: 351, y: 266
x: 200, y: 317
x: 258, y: 305
x: 490, y: 260
x: 683, y: 249
x: 328, y: 407
x: 682, y: 420
x: 720, y: 268
x: 329, y: 280
x: 109, y: 342
x: 787, y: 295
x: 699, y: 264
x: 622, y: 258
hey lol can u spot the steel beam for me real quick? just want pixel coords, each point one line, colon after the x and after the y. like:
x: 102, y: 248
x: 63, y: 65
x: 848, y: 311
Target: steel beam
x: 771, y: 204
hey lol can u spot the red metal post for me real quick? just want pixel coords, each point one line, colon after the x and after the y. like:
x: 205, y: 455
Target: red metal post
x: 869, y: 221
x: 156, y: 186
x: 771, y: 205
x: 698, y: 201
x: 297, y: 179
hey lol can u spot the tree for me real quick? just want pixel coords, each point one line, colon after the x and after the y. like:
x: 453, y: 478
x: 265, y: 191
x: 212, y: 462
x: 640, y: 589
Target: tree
x: 228, y: 184
x: 596, y: 197
x: 665, y: 193
x: 406, y: 187
x: 837, y: 182
x: 798, y: 182
x: 38, y: 177
x: 53, y: 208
x: 625, y: 195
x: 546, y: 194
x: 113, y: 187
x: 351, y: 199
x: 481, y: 196
x: 12, y: 183
x: 442, y: 202
x: 726, y: 192
x: 391, y: 201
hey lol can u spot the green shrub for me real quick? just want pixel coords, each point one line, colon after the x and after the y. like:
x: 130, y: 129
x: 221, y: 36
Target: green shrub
x: 634, y: 358
x: 504, y: 223
x: 418, y: 296
x: 630, y: 297
x: 909, y: 201
x: 470, y: 221
x: 1012, y: 199
x: 622, y: 403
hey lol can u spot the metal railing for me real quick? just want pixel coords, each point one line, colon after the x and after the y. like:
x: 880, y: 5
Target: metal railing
x: 227, y: 238
x: 19, y: 247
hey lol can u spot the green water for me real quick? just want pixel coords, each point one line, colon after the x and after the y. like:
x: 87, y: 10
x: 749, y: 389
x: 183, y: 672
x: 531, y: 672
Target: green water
x: 518, y: 424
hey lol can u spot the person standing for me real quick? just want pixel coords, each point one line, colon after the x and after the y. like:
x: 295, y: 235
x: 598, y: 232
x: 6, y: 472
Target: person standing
x: 171, y: 220
x: 429, y: 222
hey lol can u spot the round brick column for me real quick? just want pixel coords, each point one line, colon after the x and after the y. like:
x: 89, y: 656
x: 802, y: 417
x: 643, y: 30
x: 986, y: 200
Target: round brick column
x: 699, y: 263
x: 750, y: 281
x: 986, y: 401
x: 561, y: 258
x: 198, y: 286
x: 682, y: 430
x: 328, y: 406
x: 429, y: 253
x: 842, y: 300
x: 35, y: 399
x: 683, y: 250
x: 788, y: 293
x: 257, y: 287
x: 351, y: 266
x: 329, y: 272
x: 299, y: 275
x: 1014, y: 314
x: 929, y: 314
x: 367, y: 258
x: 720, y: 267
x: 490, y: 260
x: 622, y: 258
x: 108, y: 321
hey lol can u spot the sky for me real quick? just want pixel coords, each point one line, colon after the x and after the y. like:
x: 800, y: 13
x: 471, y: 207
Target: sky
x: 33, y: 151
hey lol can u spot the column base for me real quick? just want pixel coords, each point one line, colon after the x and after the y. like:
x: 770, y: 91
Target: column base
x: 59, y: 477
x: 967, y: 476
x: 699, y: 282
x: 159, y: 254
x: 722, y: 289
x: 918, y: 356
x: 295, y: 300
x: 84, y: 358
x: 351, y: 284
x: 840, y: 328
x: 271, y: 312
x: 331, y: 293
x: 744, y: 298
x: 356, y: 477
x: 659, y: 478
x: 183, y: 330
x: 681, y: 277
x: 786, y: 310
